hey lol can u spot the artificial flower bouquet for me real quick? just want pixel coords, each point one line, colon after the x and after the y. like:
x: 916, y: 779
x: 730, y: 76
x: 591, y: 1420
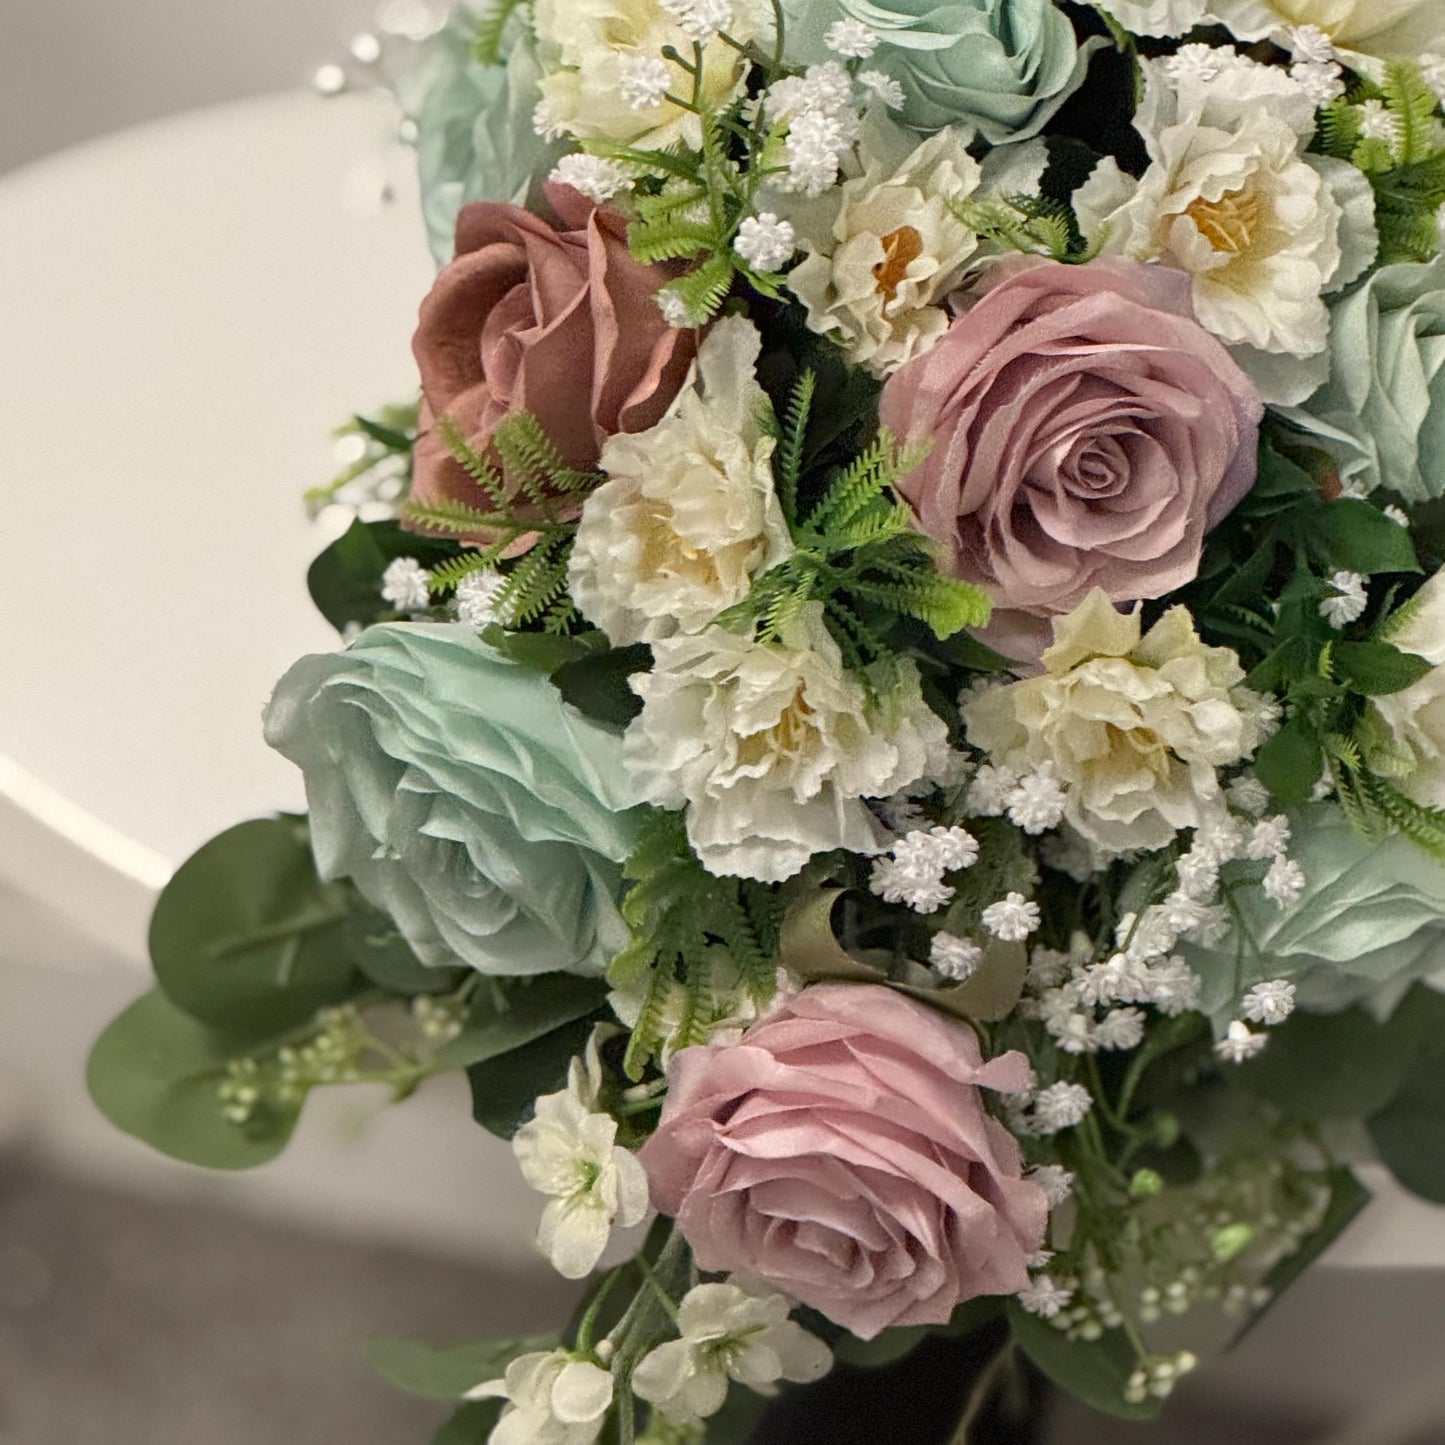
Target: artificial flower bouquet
x: 892, y: 715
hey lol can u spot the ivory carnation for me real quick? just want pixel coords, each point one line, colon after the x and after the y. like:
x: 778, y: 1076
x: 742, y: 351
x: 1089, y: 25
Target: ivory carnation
x: 1264, y: 230
x: 689, y: 516
x: 886, y: 249
x: 1136, y: 725
x: 773, y: 746
x: 842, y: 1154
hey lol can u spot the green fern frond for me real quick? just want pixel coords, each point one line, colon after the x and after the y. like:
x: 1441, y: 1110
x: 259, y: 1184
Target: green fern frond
x: 1414, y: 105
x: 792, y: 443
x: 1338, y: 132
x: 487, y: 46
x: 687, y: 203
x: 1424, y: 826
x: 704, y: 290
x: 670, y: 240
x: 446, y: 575
x: 476, y: 466
x: 450, y: 519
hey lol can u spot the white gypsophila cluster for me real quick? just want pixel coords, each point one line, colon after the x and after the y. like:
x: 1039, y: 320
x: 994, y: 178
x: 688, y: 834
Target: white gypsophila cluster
x: 727, y: 1333
x: 643, y: 80
x: 766, y: 242
x: 1060, y: 1106
x: 1013, y: 918
x: 914, y: 870
x: 1269, y: 1003
x: 1057, y: 1184
x: 406, y: 585
x: 1045, y: 1297
x: 823, y: 124
x: 851, y: 39
x: 1324, y: 84
x: 700, y: 20
x: 954, y: 958
x: 1348, y: 600
x: 886, y: 249
x: 882, y: 87
x: 476, y: 597
x: 595, y: 177
x: 688, y: 516
x: 1311, y: 44
x: 1379, y: 123
x: 569, y: 1151
x: 1233, y: 197
x: 553, y: 1398
x: 772, y: 747
x: 675, y: 309
x: 1240, y: 1044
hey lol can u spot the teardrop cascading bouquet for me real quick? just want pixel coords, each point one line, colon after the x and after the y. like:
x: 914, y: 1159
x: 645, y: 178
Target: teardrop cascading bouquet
x: 897, y: 728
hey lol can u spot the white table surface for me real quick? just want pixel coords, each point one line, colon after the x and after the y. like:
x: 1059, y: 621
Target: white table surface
x: 186, y: 310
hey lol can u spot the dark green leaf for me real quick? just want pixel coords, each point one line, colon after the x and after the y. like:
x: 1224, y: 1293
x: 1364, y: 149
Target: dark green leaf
x: 386, y: 436
x: 471, y: 1425
x: 247, y: 938
x: 887, y: 1349
x: 1280, y: 479
x: 446, y: 1374
x: 598, y: 683
x: 527, y: 1011
x: 1291, y: 762
x: 1095, y: 1373
x: 1356, y: 537
x: 541, y: 651
x: 1410, y: 1132
x: 1377, y: 669
x: 504, y: 1089
x: 345, y: 580
x: 384, y: 956
x: 156, y: 1074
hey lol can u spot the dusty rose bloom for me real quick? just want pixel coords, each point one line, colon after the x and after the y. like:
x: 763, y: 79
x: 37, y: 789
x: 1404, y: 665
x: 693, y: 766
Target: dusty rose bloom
x: 560, y: 323
x: 1087, y: 433
x: 842, y: 1153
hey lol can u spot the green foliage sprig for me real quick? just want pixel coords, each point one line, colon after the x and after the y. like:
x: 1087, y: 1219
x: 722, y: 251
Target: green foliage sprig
x: 856, y: 551
x: 690, y: 929
x: 387, y: 442
x: 534, y: 495
x: 1034, y: 225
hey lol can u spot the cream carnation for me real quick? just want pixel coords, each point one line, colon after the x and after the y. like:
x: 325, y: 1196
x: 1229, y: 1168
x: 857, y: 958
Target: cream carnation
x: 689, y: 516
x: 1135, y: 725
x: 886, y: 249
x: 773, y: 746
x: 589, y: 48
x: 1264, y: 230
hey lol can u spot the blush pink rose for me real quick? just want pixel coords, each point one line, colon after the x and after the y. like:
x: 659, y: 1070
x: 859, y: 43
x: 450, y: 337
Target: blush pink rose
x: 842, y: 1153
x: 557, y: 322
x: 1087, y: 433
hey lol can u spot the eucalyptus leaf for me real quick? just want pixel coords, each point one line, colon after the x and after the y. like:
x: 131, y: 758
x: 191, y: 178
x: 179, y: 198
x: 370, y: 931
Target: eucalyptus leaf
x: 447, y: 1373
x: 156, y: 1073
x: 383, y: 955
x: 246, y: 937
x: 1095, y: 1372
x: 1409, y: 1132
x: 521, y: 1013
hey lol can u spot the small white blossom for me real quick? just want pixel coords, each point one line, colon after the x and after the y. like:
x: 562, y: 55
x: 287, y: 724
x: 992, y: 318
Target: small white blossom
x: 1201, y: 63
x: 816, y: 142
x: 1055, y: 1005
x: 1284, y: 882
x: 955, y: 958
x: 1224, y: 837
x: 1057, y: 1184
x: 570, y: 1153
x: 1310, y: 43
x: 1073, y: 1033
x: 851, y: 39
x: 990, y: 790
x: 643, y: 80
x: 727, y: 1334
x: 547, y: 121
x: 956, y: 848
x: 1012, y: 919
x: 596, y: 177
x: 1269, y: 1003
x: 700, y: 20
x: 1039, y: 1259
x: 1061, y: 1106
x: 675, y: 310
x: 1378, y: 123
x: 1198, y: 872
x: 1269, y: 840
x: 766, y: 242
x: 1184, y: 914
x: 1240, y: 1044
x: 1037, y: 804
x: 406, y: 584
x: 897, y: 880
x: 1323, y: 84
x: 1397, y: 516
x: 883, y: 87
x: 476, y: 597
x: 552, y: 1399
x: 1044, y: 1297
x: 1121, y: 1029
x: 1048, y: 967
x: 1249, y: 795
x: 1173, y: 988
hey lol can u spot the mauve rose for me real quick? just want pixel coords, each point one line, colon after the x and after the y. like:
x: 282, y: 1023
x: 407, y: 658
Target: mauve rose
x: 842, y: 1153
x: 1087, y: 433
x: 560, y: 323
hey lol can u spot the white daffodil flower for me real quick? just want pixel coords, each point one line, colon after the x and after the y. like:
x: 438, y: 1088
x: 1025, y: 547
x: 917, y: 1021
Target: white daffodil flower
x: 552, y: 1399
x: 727, y: 1334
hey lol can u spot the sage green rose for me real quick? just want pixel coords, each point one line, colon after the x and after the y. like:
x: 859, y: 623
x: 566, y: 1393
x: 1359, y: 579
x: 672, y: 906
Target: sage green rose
x: 1382, y: 414
x: 1369, y: 925
x: 474, y: 135
x: 1003, y: 67
x: 463, y: 797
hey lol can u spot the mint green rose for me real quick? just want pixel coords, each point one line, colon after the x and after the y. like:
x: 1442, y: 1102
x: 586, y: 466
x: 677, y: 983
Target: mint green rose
x: 463, y: 797
x: 1001, y: 66
x: 475, y: 140
x: 1382, y: 414
x: 1369, y: 925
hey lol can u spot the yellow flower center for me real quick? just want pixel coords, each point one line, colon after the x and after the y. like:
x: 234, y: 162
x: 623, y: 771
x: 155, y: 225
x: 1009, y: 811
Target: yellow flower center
x: 901, y: 248
x: 1229, y: 224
